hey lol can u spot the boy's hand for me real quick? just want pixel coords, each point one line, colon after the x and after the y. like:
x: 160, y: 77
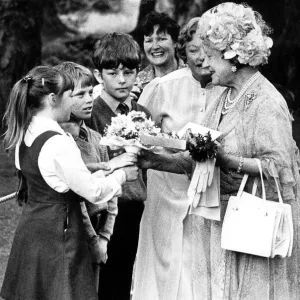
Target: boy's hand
x: 99, y: 251
x: 123, y: 160
x: 131, y: 172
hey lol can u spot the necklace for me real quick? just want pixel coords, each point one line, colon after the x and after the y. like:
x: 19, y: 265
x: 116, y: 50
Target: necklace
x: 228, y: 103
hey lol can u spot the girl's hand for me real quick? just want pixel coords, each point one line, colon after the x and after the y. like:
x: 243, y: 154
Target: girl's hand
x: 123, y: 160
x: 93, y: 167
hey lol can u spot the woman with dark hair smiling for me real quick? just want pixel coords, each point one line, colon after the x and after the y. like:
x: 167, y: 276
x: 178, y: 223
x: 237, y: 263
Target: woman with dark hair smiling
x: 160, y: 35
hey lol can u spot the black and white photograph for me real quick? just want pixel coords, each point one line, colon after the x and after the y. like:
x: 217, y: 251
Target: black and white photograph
x: 149, y: 150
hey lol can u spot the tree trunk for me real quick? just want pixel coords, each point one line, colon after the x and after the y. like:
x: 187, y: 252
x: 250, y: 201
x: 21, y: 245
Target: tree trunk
x: 20, y: 42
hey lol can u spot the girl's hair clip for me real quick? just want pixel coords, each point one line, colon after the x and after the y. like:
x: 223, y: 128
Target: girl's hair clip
x: 27, y: 79
x: 43, y: 82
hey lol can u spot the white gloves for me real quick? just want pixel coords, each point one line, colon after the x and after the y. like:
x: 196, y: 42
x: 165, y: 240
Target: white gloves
x: 201, y: 179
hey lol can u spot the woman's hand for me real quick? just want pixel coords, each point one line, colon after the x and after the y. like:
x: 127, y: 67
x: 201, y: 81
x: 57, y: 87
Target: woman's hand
x: 146, y: 159
x: 223, y: 158
x: 123, y: 160
x: 98, y: 251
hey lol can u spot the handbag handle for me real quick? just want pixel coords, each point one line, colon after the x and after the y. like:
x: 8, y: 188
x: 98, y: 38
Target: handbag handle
x: 245, y: 178
x: 243, y: 183
x: 263, y: 187
x: 261, y: 178
x: 242, y: 186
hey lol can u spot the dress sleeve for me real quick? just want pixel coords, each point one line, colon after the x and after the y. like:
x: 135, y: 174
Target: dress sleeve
x: 275, y: 147
x: 152, y: 99
x: 70, y: 169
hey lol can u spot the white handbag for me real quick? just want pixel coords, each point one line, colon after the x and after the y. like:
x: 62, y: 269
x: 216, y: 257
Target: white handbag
x: 257, y: 226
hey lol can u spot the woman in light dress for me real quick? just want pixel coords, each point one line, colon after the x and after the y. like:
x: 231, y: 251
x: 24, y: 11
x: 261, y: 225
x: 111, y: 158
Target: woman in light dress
x: 167, y: 257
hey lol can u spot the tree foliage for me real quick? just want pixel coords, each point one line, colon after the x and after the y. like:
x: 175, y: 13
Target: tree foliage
x: 26, y: 25
x: 20, y: 42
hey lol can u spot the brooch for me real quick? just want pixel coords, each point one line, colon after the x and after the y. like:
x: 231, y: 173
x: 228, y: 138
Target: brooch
x: 249, y: 98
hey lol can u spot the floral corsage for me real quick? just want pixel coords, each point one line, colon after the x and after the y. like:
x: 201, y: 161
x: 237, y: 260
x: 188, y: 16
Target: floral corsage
x: 201, y: 147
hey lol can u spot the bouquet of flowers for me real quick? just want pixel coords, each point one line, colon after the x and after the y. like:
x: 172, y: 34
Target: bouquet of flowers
x: 125, y: 132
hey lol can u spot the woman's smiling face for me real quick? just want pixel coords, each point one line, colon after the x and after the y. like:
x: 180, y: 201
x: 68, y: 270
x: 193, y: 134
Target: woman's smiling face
x: 219, y: 67
x: 159, y: 47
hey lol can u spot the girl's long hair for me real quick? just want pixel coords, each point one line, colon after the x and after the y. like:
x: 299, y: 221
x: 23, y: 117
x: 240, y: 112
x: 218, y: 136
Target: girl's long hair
x: 27, y: 97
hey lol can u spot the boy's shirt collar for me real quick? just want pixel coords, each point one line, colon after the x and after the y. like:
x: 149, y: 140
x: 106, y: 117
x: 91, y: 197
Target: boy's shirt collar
x: 113, y: 103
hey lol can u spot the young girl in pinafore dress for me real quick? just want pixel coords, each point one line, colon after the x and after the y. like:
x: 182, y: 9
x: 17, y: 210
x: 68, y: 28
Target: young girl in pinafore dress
x: 49, y: 258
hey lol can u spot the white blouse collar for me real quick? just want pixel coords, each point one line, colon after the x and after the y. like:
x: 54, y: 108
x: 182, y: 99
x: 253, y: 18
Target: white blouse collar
x: 43, y: 124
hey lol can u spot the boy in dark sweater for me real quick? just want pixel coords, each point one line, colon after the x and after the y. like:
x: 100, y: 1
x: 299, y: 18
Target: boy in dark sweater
x: 95, y: 157
x: 117, y: 58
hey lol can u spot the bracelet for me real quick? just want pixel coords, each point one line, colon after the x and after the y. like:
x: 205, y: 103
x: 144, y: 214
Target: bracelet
x: 240, y: 166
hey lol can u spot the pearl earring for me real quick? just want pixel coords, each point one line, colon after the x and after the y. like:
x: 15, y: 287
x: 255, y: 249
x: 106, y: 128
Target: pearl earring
x: 233, y: 69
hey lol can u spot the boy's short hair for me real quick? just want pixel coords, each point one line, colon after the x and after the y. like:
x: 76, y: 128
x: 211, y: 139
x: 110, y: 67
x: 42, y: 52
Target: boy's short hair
x: 164, y: 22
x: 78, y: 73
x: 113, y: 49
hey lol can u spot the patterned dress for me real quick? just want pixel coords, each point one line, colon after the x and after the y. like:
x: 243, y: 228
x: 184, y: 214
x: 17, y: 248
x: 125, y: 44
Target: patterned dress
x: 258, y: 126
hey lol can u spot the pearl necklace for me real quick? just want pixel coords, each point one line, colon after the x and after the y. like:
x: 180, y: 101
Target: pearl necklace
x: 228, y: 103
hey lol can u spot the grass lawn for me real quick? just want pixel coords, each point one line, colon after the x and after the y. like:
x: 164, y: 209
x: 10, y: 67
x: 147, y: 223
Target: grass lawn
x: 9, y: 211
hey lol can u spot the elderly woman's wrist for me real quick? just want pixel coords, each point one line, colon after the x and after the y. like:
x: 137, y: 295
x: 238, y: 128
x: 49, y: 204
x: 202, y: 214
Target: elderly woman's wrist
x: 228, y: 161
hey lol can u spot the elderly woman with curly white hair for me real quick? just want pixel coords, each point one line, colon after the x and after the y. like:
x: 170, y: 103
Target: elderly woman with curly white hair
x: 256, y: 124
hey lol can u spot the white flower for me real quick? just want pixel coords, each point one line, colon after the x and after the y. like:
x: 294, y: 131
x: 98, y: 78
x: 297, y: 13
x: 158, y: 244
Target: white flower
x: 230, y: 54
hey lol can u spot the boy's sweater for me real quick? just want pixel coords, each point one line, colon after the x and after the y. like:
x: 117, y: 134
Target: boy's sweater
x: 92, y: 152
x: 101, y: 117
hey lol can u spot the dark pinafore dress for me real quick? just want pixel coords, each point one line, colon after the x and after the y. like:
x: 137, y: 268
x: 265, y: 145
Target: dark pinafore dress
x: 49, y: 259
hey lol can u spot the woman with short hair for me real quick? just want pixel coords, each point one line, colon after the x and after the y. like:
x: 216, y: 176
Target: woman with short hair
x: 160, y: 35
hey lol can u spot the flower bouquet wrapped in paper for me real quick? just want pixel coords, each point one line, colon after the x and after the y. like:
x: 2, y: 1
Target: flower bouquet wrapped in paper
x: 124, y: 131
x: 203, y: 149
x: 134, y: 132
